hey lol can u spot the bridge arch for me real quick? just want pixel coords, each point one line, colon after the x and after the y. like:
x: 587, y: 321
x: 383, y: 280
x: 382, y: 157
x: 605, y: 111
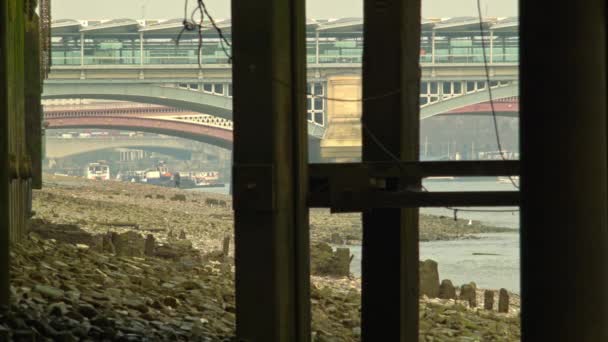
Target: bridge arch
x: 196, y: 101
x: 177, y: 152
x: 457, y: 102
x: 200, y: 102
x: 211, y: 135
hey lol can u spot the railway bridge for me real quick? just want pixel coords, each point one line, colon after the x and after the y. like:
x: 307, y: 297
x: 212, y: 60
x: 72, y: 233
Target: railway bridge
x: 140, y: 61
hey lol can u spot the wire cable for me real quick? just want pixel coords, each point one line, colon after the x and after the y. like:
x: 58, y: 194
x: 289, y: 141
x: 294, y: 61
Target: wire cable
x: 202, y: 8
x: 189, y: 24
x: 488, y: 84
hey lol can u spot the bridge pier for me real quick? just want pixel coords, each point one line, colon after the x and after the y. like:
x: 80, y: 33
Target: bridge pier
x: 314, y: 150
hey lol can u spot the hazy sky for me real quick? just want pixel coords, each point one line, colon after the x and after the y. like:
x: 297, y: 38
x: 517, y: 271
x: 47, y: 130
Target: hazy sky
x: 168, y: 9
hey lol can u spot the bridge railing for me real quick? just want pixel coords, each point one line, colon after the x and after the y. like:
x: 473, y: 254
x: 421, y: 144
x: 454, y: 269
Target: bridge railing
x: 324, y: 52
x: 312, y: 59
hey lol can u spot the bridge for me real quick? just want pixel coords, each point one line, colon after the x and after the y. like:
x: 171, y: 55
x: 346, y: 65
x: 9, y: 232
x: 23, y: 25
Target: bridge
x: 58, y: 147
x: 171, y: 121
x: 141, y: 61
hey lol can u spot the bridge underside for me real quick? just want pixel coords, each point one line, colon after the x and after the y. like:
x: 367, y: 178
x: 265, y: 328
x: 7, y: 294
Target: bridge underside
x: 177, y: 153
x: 505, y: 98
x: 220, y: 106
x: 210, y: 135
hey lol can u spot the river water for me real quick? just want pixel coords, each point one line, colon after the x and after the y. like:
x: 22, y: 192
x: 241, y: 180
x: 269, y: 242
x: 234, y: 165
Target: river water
x: 457, y: 259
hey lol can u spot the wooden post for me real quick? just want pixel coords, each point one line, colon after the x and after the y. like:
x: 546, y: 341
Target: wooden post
x: 4, y: 161
x: 390, y: 236
x: 33, y: 107
x: 563, y: 171
x: 270, y: 171
x: 225, y: 248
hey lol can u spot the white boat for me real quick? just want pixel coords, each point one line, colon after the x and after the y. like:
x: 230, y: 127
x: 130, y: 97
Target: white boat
x: 98, y: 171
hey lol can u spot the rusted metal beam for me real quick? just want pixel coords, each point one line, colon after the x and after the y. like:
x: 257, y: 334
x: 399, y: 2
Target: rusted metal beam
x: 270, y: 173
x: 390, y: 123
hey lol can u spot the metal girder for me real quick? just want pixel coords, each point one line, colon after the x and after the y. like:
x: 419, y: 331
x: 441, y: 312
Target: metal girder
x: 389, y: 298
x: 270, y: 172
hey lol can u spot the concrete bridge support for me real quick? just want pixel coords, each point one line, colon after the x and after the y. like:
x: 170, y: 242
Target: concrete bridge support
x: 314, y: 150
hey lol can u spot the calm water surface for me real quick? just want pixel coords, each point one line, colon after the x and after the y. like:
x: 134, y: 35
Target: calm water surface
x: 456, y: 259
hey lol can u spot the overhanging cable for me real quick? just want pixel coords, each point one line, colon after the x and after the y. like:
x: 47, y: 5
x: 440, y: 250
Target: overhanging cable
x: 488, y: 84
x: 201, y: 7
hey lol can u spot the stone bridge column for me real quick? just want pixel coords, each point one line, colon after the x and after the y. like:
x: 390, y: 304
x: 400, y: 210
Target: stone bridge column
x: 342, y: 141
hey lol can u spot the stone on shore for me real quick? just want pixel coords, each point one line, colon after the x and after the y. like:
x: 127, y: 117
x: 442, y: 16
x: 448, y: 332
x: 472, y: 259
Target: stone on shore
x: 447, y: 290
x: 503, y: 301
x: 184, y: 297
x: 336, y: 239
x: 49, y: 291
x: 324, y: 261
x: 129, y: 244
x: 149, y: 245
x: 178, y: 197
x: 429, y: 278
x: 468, y: 293
x: 488, y: 300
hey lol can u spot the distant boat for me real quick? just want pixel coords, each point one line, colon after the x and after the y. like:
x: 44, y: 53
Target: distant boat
x: 98, y: 171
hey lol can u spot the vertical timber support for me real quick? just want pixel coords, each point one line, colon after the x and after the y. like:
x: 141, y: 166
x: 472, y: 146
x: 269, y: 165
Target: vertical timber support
x: 13, y: 151
x: 4, y: 160
x: 270, y: 171
x: 33, y: 91
x: 564, y: 171
x: 16, y: 124
x: 390, y: 236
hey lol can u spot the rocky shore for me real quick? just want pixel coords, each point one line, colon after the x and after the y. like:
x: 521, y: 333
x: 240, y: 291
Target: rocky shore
x: 68, y: 288
x: 95, y: 206
x: 346, y: 228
